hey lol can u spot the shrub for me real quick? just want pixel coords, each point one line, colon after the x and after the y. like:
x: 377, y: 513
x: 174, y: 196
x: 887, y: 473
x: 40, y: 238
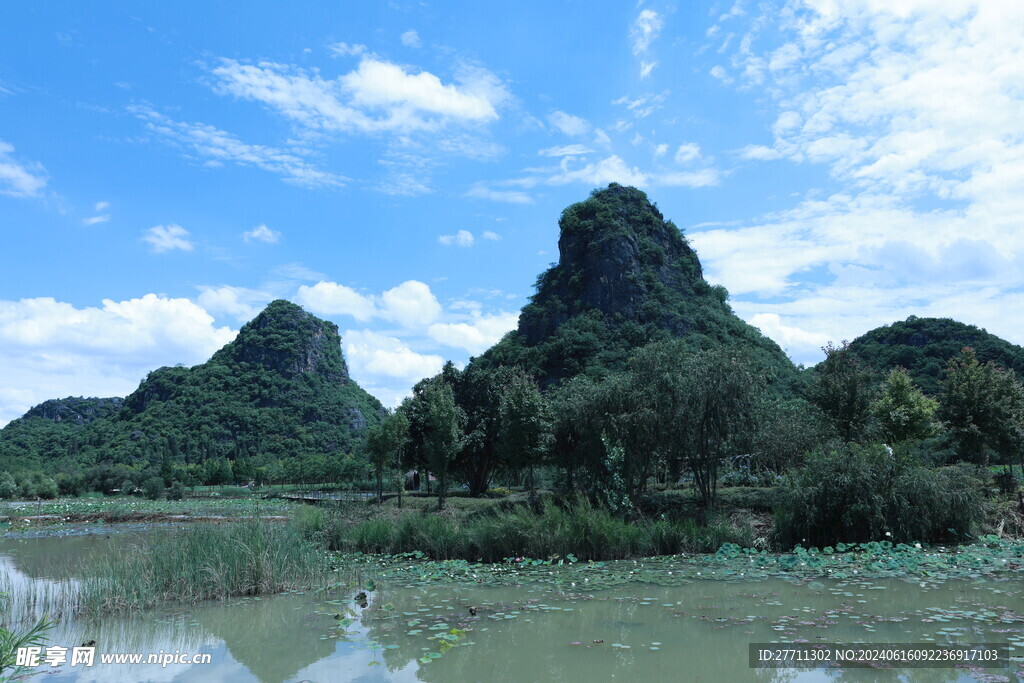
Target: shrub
x: 177, y: 491
x: 1005, y: 480
x: 127, y: 487
x: 849, y: 493
x: 46, y: 488
x: 153, y: 488
x: 8, y: 487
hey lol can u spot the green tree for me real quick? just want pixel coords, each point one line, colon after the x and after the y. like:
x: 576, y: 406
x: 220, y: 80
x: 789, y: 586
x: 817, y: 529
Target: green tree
x: 153, y: 488
x: 901, y: 411
x: 984, y: 407
x: 525, y: 427
x: 443, y: 433
x: 843, y: 388
x: 383, y: 445
x: 8, y: 487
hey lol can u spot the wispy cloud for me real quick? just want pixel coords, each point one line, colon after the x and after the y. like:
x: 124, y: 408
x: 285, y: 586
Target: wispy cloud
x: 261, y: 233
x: 167, y: 238
x: 378, y: 96
x: 411, y: 39
x: 462, y: 238
x: 215, y: 147
x: 19, y: 178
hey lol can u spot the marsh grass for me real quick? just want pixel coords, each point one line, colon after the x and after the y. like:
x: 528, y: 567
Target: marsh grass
x: 204, y: 562
x: 579, y: 529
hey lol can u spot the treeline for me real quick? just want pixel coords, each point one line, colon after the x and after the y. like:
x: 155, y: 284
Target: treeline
x: 856, y: 452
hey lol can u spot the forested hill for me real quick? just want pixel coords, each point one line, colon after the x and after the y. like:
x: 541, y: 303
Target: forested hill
x: 625, y: 277
x: 55, y: 427
x: 281, y: 389
x: 925, y: 345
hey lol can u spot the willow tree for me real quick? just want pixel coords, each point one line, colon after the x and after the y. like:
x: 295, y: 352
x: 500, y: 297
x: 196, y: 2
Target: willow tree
x: 384, y: 443
x: 525, y: 426
x: 698, y: 405
x: 443, y: 433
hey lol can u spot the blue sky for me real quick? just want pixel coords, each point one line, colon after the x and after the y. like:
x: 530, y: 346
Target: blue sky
x: 167, y: 169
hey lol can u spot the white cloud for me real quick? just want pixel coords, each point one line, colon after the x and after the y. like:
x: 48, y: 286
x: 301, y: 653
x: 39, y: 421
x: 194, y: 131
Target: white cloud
x: 378, y: 96
x: 167, y: 238
x: 18, y: 179
x: 759, y: 153
x: 346, y: 49
x: 261, y: 233
x: 643, y: 106
x: 330, y: 298
x: 565, y: 151
x: 95, y: 220
x: 660, y: 150
x: 607, y: 170
x: 373, y: 356
x: 475, y: 336
x: 463, y: 238
x: 100, y: 206
x: 687, y: 152
x: 492, y: 236
x: 52, y: 349
x: 916, y: 112
x: 482, y: 191
x: 411, y: 39
x: 645, y: 29
x: 646, y: 68
x: 568, y: 124
x: 239, y: 302
x: 410, y: 304
x: 216, y: 147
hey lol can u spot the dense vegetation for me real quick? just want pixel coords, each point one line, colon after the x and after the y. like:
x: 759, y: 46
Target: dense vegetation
x: 276, y: 403
x: 925, y: 345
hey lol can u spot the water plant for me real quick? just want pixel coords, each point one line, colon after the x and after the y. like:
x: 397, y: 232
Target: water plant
x: 204, y: 562
x: 12, y: 639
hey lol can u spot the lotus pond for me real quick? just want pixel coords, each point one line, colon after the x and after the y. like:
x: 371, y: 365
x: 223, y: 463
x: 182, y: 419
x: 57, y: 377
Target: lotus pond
x: 405, y: 618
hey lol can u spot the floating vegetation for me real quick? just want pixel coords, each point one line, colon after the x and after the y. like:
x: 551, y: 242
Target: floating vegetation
x: 921, y: 564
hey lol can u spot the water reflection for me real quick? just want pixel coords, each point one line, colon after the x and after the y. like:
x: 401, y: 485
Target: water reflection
x: 697, y: 631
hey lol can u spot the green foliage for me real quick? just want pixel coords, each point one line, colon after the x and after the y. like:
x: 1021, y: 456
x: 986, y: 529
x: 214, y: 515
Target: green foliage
x: 10, y: 642
x: 384, y: 443
x: 843, y: 389
x: 901, y: 411
x: 176, y: 492
x: 853, y: 493
x: 924, y: 346
x: 525, y: 425
x: 443, y: 433
x: 579, y: 531
x: 785, y: 431
x: 8, y: 487
x: 153, y: 488
x: 984, y: 407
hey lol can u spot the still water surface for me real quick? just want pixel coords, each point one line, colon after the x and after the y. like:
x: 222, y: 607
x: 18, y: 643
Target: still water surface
x: 698, y: 631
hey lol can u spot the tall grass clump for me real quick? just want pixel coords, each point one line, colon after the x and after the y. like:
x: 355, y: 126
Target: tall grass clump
x: 204, y: 562
x: 852, y: 494
x: 579, y: 529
